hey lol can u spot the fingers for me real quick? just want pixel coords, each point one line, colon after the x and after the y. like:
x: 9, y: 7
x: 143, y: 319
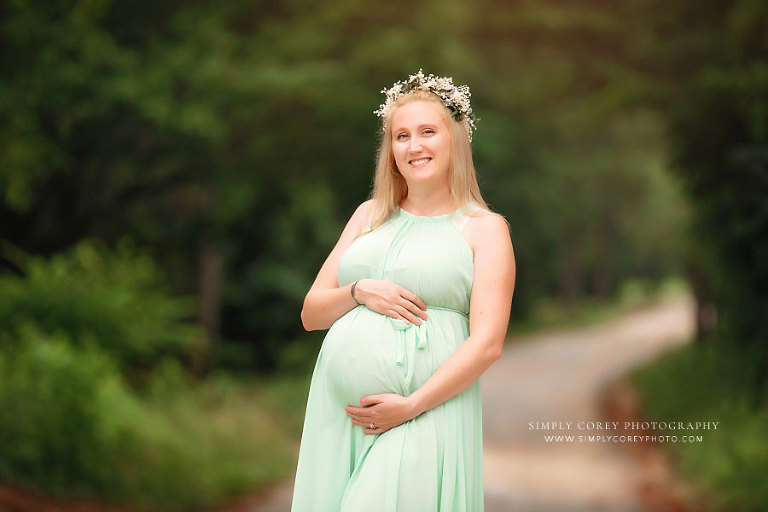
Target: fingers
x: 397, y: 316
x: 358, y: 412
x: 414, y: 310
x: 413, y: 303
x: 407, y: 312
x: 380, y: 429
x: 366, y: 422
x: 390, y: 299
x: 360, y: 415
x: 407, y: 316
x: 370, y: 400
x: 364, y: 416
x: 414, y: 299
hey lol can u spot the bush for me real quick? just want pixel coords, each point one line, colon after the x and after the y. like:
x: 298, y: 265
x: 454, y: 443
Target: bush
x: 71, y: 428
x: 62, y: 412
x: 199, y: 445
x: 713, y: 382
x: 113, y: 299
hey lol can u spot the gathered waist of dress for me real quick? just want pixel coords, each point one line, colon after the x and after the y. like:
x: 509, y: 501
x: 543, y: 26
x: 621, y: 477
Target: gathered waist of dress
x: 452, y: 310
x: 401, y: 325
x: 429, y: 306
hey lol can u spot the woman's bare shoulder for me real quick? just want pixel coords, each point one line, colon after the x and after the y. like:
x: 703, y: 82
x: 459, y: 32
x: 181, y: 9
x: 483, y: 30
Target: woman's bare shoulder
x: 487, y: 227
x: 362, y: 210
x: 367, y: 205
x: 486, y: 219
x: 361, y: 218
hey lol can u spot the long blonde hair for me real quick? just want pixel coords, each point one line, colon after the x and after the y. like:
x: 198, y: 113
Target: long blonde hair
x: 389, y: 186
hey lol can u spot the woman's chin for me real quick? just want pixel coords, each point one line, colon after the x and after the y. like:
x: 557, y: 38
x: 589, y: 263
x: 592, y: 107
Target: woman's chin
x: 424, y: 178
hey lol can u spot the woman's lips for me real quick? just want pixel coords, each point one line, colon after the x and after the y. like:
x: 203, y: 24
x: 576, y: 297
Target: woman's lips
x: 419, y: 162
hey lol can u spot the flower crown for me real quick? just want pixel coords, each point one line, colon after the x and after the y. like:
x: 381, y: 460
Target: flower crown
x: 455, y: 98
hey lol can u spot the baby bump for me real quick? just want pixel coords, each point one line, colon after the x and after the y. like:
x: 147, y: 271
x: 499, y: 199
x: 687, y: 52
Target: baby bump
x: 360, y: 356
x: 365, y: 353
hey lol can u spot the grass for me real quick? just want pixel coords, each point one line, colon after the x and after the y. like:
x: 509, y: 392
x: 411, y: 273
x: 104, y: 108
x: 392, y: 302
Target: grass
x: 711, y: 382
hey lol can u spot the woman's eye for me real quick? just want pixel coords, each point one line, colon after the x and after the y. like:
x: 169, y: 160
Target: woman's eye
x: 427, y: 131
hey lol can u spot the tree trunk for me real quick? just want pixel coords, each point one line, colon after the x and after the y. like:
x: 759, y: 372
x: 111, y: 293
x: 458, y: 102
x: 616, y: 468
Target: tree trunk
x: 211, y: 270
x: 603, y: 264
x: 570, y: 270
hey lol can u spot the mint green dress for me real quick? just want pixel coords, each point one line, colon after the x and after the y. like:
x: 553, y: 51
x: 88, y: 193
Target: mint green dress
x: 434, y: 461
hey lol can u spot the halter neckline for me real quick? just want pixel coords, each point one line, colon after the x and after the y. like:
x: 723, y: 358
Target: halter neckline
x: 428, y: 218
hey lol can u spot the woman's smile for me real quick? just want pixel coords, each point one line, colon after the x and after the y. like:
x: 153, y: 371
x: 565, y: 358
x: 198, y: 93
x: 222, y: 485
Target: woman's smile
x: 420, y: 162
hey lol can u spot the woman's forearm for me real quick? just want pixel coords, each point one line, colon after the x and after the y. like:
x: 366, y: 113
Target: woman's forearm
x: 324, y: 306
x: 456, y: 374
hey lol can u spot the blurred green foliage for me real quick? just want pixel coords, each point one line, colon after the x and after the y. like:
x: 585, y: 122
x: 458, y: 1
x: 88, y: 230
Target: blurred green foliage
x: 94, y: 296
x: 96, y: 403
x: 727, y: 469
x: 713, y: 88
x: 71, y: 427
x: 234, y: 139
x: 61, y: 415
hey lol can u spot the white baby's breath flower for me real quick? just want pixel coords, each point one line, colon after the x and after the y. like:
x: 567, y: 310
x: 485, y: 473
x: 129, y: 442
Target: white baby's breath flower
x: 456, y: 99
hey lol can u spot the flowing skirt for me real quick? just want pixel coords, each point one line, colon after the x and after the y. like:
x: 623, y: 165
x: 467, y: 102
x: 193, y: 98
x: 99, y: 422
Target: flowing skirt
x: 430, y: 463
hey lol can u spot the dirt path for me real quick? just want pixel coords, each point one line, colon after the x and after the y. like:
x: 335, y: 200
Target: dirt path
x: 558, y: 377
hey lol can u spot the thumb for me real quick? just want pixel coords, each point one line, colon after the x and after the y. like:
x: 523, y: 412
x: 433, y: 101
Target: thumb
x: 370, y: 400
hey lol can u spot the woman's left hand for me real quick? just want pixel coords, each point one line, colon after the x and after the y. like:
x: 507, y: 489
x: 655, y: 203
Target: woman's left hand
x: 383, y: 411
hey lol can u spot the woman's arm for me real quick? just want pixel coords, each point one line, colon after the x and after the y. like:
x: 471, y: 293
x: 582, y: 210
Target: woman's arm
x: 492, y: 289
x: 326, y: 302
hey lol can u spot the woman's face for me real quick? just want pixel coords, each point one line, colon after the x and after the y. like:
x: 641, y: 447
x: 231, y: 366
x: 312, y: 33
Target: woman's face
x: 421, y: 142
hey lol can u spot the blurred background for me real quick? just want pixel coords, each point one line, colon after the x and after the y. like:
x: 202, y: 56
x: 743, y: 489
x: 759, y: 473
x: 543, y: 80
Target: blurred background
x: 173, y: 174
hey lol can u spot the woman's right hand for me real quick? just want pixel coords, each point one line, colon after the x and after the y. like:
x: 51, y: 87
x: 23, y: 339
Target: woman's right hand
x: 390, y: 299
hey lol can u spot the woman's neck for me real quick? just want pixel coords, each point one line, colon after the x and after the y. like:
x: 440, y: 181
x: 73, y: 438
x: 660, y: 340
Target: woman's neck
x: 428, y: 202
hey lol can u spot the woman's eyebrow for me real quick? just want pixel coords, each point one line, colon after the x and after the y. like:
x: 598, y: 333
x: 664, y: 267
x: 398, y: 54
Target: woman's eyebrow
x: 404, y: 128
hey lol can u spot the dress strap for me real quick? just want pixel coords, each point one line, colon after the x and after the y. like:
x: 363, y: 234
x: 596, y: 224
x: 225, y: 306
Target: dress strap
x: 463, y: 222
x: 472, y: 206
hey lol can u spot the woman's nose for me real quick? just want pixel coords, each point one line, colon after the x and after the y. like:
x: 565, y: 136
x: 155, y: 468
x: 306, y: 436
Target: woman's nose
x: 415, y: 144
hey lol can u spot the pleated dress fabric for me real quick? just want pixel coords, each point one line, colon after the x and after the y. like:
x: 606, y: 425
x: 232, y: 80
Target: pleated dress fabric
x: 434, y: 461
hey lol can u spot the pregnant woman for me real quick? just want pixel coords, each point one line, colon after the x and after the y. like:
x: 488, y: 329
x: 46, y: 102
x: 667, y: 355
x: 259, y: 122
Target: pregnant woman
x: 416, y: 296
